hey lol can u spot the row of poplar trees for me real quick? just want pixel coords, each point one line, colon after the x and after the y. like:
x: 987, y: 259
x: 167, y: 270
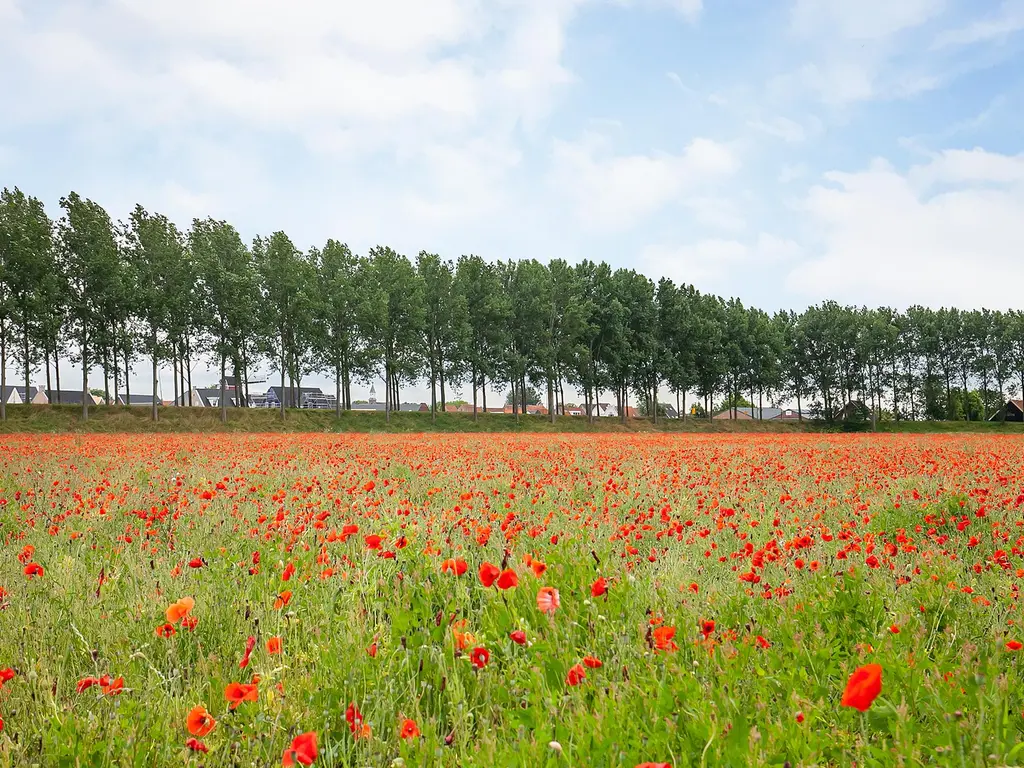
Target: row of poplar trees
x: 120, y: 296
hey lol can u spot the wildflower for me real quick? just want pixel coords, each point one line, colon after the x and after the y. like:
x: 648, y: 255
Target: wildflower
x: 454, y: 566
x: 409, y: 729
x: 112, y: 688
x: 593, y: 662
x: 166, y: 630
x: 663, y: 639
x: 236, y: 693
x: 1014, y: 645
x: 302, y: 751
x: 599, y: 587
x: 178, y: 610
x: 199, y: 721
x: 547, y: 600
x: 707, y: 628
x: 508, y: 579
x: 250, y: 643
x: 518, y: 637
x: 282, y: 600
x: 488, y: 573
x: 479, y: 657
x: 863, y: 687
x: 576, y: 675
x: 274, y: 645
x: 195, y: 745
x: 33, y: 569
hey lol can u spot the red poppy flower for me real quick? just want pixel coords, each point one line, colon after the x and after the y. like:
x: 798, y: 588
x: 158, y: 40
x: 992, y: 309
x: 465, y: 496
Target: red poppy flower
x: 863, y: 687
x: 373, y: 541
x: 455, y: 566
x: 663, y: 638
x: 488, y: 573
x: 508, y: 579
x: 302, y: 751
x: 576, y: 675
x: 282, y: 600
x: 86, y: 683
x: 6, y: 675
x: 707, y: 628
x: 1014, y: 645
x: 33, y: 569
x: 178, y: 610
x: 199, y: 721
x: 479, y: 657
x: 236, y: 693
x: 166, y: 630
x: 274, y: 645
x: 288, y: 571
x: 599, y: 587
x: 654, y: 765
x: 547, y: 599
x: 250, y: 643
x: 112, y: 688
x: 409, y: 729
x: 593, y: 662
x: 762, y: 643
x: 196, y: 562
x: 195, y: 745
x: 518, y: 637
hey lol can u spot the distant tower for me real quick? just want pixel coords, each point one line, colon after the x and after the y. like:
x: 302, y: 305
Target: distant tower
x: 373, y: 395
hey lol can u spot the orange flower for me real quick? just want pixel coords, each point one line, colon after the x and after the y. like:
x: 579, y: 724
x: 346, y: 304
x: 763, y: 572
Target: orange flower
x: 409, y: 729
x: 863, y: 687
x: 112, y: 688
x: 199, y: 721
x: 302, y: 751
x: 547, y: 599
x: 274, y: 645
x: 282, y: 600
x: 593, y: 662
x: 34, y: 569
x: 166, y: 630
x: 663, y: 639
x: 236, y: 693
x: 178, y: 610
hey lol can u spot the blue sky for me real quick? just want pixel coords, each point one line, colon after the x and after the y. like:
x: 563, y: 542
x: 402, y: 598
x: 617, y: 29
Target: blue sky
x: 785, y: 152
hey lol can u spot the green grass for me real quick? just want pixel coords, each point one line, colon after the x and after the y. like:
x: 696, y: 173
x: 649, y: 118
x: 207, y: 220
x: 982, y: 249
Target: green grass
x: 136, y: 512
x: 106, y: 419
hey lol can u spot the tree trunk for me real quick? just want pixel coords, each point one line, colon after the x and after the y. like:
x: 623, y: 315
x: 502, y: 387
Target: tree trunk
x: 106, y: 377
x: 387, y: 392
x: 154, y: 414
x: 337, y: 388
x: 56, y: 374
x: 433, y: 395
x: 28, y: 371
x: 282, y: 394
x: 85, y: 376
x: 551, y: 401
x: 48, y: 395
x: 483, y: 391
x: 3, y: 370
x: 473, y: 384
x: 128, y: 374
x: 440, y: 375
x: 223, y: 387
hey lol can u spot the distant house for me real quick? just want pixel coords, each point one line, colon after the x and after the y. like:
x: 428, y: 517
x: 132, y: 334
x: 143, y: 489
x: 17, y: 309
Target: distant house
x: 669, y: 410
x: 64, y: 397
x: 206, y: 397
x: 300, y: 397
x: 605, y: 409
x: 1014, y: 410
x: 789, y: 414
x: 573, y: 410
x: 123, y: 399
x: 750, y: 414
x: 373, y: 405
x: 14, y: 395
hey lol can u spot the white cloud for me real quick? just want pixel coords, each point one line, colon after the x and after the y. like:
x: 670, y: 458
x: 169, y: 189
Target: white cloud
x: 614, y: 192
x: 946, y: 232
x: 712, y: 264
x: 792, y: 173
x: 862, y: 20
x: 998, y: 27
x: 781, y: 128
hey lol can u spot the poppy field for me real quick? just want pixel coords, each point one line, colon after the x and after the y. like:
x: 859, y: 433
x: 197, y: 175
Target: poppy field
x: 603, y: 601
